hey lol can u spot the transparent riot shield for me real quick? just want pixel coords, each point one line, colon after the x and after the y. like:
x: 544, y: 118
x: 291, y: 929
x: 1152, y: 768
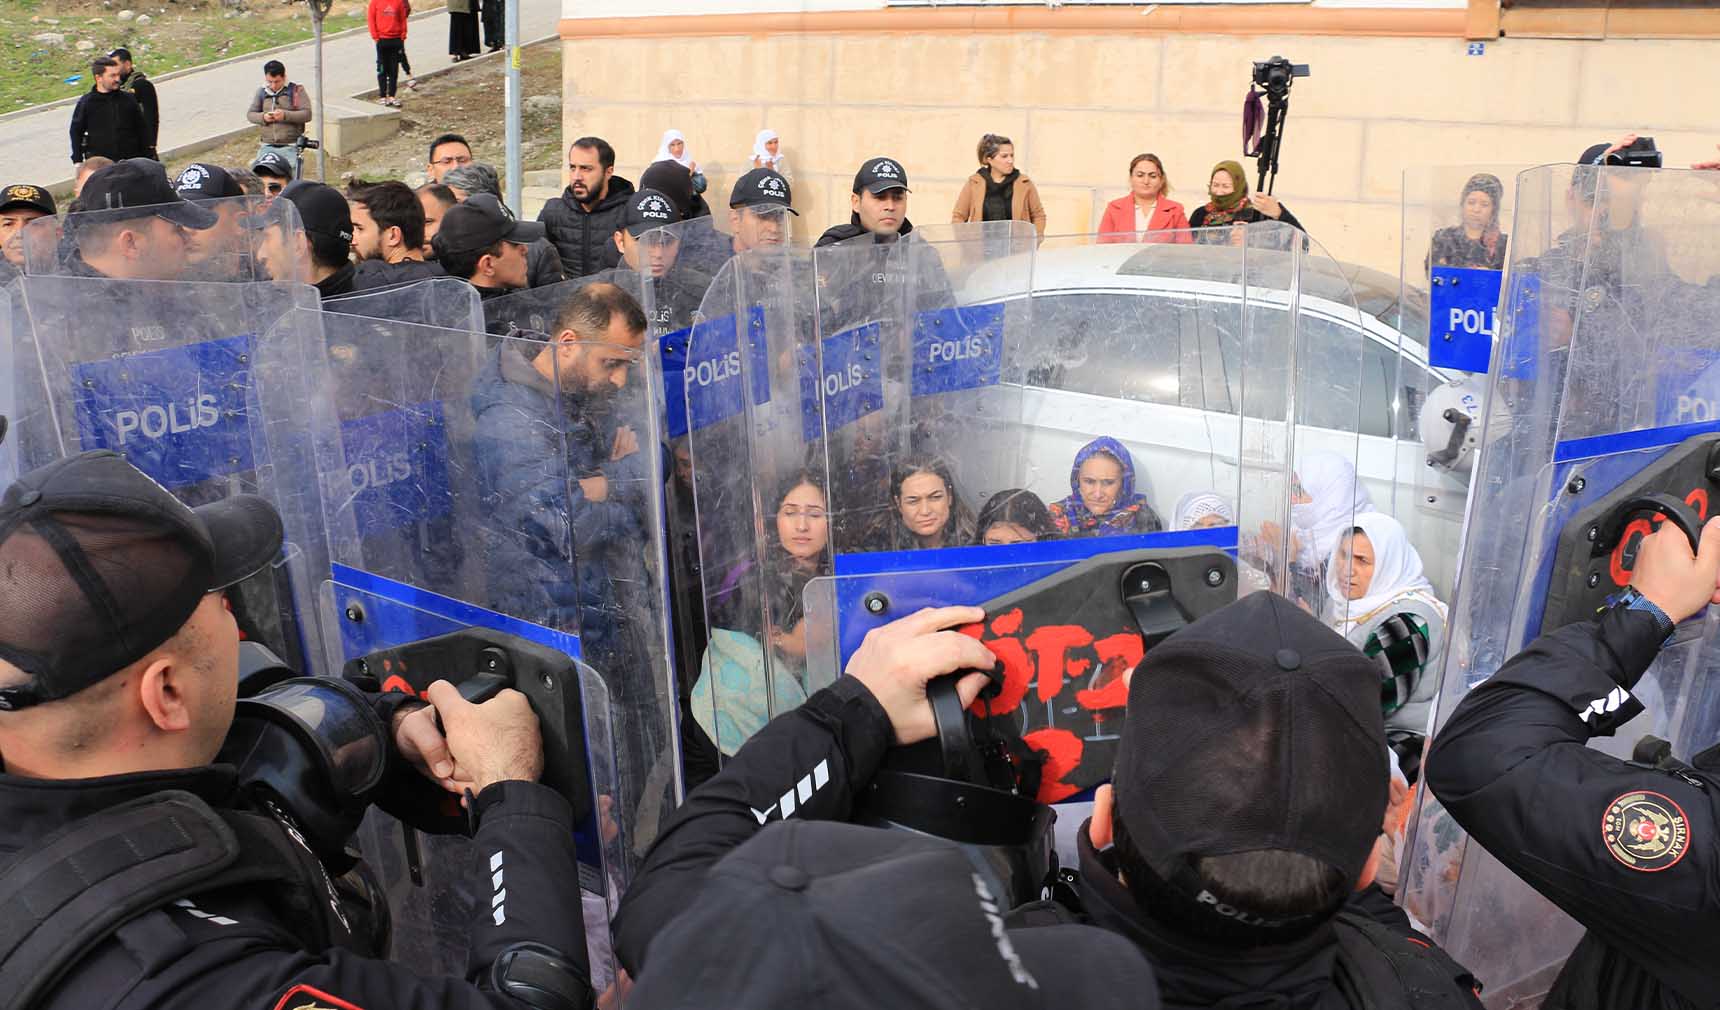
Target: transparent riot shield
x: 446, y: 302
x: 536, y: 310
x: 1602, y: 390
x: 168, y: 375
x: 479, y: 486
x: 947, y: 400
x: 1456, y: 236
x: 239, y: 239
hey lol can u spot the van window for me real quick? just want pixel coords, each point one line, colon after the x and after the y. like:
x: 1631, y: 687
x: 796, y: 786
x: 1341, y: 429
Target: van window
x: 1126, y: 346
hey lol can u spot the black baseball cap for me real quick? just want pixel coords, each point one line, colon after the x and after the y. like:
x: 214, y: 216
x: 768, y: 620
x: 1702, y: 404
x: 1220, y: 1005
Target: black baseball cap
x: 25, y: 195
x: 482, y: 221
x: 1254, y: 728
x: 141, y: 184
x: 648, y: 209
x: 104, y: 565
x: 763, y: 189
x: 321, y: 209
x: 202, y: 181
x: 271, y: 163
x: 839, y: 916
x: 880, y: 175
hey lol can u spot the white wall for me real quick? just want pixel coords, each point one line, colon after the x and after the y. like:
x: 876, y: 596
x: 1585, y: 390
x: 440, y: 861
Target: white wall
x: 654, y: 8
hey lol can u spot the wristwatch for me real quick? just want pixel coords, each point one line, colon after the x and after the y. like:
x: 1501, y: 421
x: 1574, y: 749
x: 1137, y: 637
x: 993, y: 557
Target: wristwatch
x: 1630, y: 599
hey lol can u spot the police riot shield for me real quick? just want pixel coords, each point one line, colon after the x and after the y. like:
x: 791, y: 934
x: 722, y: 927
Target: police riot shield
x: 1456, y: 233
x: 235, y: 240
x: 446, y: 302
x: 167, y: 374
x: 535, y: 310
x: 1097, y: 442
x: 480, y: 486
x: 1602, y: 394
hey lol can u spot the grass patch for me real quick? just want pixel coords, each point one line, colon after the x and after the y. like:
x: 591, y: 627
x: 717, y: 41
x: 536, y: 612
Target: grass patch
x: 179, y: 34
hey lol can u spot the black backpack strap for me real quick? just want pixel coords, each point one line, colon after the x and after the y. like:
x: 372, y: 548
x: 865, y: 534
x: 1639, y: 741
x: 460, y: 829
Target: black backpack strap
x: 1382, y: 969
x: 90, y: 877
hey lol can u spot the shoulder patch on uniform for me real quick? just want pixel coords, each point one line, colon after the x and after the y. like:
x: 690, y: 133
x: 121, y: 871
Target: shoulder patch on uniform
x: 1646, y: 831
x: 305, y: 997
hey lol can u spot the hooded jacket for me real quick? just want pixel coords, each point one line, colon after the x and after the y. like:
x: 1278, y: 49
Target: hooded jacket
x: 111, y: 124
x: 586, y: 238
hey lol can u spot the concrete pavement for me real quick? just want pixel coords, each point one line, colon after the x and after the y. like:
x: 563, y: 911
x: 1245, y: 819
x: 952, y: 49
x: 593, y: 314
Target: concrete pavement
x: 201, y: 107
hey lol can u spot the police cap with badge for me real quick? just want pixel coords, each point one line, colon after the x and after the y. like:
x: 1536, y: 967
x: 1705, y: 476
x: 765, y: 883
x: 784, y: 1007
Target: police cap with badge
x: 28, y: 197
x: 648, y: 211
x: 881, y: 175
x: 763, y: 190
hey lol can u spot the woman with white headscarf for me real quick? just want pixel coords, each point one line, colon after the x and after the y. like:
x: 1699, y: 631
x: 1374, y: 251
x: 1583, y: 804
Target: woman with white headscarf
x: 1327, y: 495
x: 767, y: 153
x: 1200, y: 510
x: 1380, y: 600
x: 673, y: 148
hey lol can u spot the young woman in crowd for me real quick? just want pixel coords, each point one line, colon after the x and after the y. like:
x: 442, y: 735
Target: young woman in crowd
x: 998, y: 191
x: 730, y: 701
x: 1477, y: 243
x: 673, y: 147
x: 1381, y: 602
x: 1230, y: 204
x: 1015, y: 516
x: 1103, y: 500
x: 767, y: 153
x: 928, y: 512
x: 1147, y: 214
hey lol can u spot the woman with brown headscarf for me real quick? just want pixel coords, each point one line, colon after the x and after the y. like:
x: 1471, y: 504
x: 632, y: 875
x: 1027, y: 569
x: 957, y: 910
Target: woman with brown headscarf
x: 1231, y: 205
x: 1477, y: 243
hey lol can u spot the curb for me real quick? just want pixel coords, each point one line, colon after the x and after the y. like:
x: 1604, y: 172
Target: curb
x: 62, y: 189
x: 182, y: 71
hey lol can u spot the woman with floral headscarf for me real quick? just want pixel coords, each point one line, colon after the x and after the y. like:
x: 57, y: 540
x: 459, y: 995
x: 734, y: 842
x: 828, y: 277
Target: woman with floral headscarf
x: 1231, y: 205
x: 1477, y: 243
x: 1103, y: 500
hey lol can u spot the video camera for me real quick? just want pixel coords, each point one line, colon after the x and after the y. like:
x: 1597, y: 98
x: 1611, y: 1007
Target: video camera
x: 305, y: 143
x: 1277, y: 74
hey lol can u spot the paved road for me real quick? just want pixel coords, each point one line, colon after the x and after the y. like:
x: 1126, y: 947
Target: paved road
x: 196, y: 106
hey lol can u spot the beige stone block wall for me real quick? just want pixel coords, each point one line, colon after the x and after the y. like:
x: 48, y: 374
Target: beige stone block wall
x: 1080, y: 105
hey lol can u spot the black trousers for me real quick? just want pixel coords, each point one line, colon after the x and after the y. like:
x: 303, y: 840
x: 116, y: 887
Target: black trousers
x: 495, y: 28
x: 390, y: 53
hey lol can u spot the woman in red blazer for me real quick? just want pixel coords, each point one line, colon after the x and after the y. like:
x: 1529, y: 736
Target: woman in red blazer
x: 1147, y: 214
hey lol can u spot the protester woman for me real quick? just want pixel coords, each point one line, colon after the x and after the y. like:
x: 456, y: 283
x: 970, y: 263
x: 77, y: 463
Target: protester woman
x: 1015, y: 516
x: 1325, y: 498
x: 927, y: 512
x: 1477, y: 243
x: 1147, y: 214
x: 1200, y: 510
x: 998, y: 191
x: 767, y: 153
x: 1381, y: 602
x: 673, y: 147
x: 463, y: 41
x: 1230, y: 205
x: 730, y: 701
x: 1103, y: 500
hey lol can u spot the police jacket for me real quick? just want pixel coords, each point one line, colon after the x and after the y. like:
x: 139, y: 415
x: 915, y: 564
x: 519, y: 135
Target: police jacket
x: 1627, y: 850
x: 586, y: 238
x: 809, y: 763
x: 259, y: 944
x: 110, y: 124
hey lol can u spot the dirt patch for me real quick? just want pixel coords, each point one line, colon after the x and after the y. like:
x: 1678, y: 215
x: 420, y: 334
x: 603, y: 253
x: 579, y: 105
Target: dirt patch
x: 466, y: 100
x: 163, y: 36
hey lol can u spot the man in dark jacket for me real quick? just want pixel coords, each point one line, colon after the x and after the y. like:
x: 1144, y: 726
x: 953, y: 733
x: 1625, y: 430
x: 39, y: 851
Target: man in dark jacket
x: 107, y: 121
x: 1629, y: 850
x: 543, y: 262
x: 388, y: 237
x: 583, y: 218
x: 319, y: 251
x: 854, y: 281
x: 880, y: 204
x: 116, y: 695
x: 480, y: 241
x: 136, y: 83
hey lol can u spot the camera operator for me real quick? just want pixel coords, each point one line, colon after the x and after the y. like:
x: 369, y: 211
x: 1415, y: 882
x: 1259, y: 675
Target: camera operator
x: 137, y: 872
x: 1627, y: 849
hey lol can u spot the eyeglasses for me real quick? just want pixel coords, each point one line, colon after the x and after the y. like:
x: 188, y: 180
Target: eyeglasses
x: 452, y: 160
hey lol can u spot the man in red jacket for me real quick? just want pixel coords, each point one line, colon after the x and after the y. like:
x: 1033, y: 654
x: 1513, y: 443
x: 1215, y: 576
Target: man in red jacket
x: 388, y: 28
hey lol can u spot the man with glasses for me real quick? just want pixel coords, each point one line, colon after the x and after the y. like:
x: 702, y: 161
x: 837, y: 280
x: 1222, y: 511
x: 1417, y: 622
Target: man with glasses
x: 447, y: 152
x: 275, y: 171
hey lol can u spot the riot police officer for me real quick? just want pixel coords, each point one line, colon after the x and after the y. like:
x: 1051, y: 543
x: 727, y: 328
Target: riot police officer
x: 140, y: 872
x: 1628, y: 849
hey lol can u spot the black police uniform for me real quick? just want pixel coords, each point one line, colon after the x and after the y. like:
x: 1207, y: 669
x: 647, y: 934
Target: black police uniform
x: 257, y: 945
x: 1627, y: 850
